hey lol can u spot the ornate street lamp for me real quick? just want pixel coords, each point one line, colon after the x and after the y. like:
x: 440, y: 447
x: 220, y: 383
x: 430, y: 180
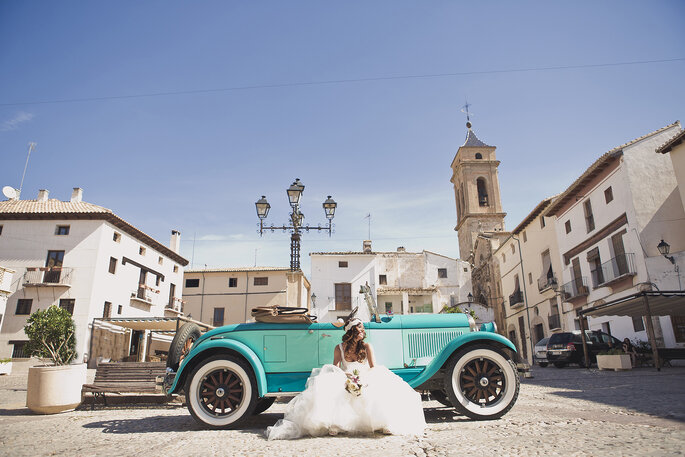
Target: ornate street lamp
x: 296, y: 220
x: 664, y: 248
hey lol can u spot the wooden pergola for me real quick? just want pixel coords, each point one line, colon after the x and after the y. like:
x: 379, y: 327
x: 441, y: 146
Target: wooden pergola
x: 641, y: 304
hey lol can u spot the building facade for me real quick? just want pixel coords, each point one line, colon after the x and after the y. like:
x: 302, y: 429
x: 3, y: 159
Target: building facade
x: 401, y: 282
x: 225, y: 296
x: 530, y: 266
x: 609, y: 223
x: 6, y: 276
x: 86, y: 259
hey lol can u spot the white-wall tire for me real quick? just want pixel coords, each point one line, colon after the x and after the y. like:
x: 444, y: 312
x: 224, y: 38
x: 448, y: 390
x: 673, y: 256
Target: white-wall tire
x: 226, y: 376
x: 481, y: 382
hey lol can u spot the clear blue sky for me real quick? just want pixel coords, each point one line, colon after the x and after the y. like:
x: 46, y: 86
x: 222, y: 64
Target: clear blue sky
x: 197, y: 162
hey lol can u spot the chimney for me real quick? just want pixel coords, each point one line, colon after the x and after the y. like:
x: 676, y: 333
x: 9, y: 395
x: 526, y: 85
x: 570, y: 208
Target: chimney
x: 43, y: 195
x: 401, y: 249
x: 175, y: 243
x: 77, y: 195
x: 367, y: 246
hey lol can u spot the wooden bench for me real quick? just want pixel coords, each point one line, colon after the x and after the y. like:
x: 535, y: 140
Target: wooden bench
x: 668, y: 354
x: 125, y: 378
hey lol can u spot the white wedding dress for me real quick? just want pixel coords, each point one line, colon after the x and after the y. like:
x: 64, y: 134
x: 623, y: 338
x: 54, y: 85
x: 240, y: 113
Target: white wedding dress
x: 387, y: 404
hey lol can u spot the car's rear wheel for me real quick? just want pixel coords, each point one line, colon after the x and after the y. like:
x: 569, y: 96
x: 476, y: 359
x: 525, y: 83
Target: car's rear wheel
x: 441, y: 397
x: 181, y: 344
x: 221, y: 391
x: 482, y: 382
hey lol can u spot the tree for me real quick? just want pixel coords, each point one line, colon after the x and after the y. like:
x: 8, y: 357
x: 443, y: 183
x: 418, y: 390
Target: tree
x: 51, y: 335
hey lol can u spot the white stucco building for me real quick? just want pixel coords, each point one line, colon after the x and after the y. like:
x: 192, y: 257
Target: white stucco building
x: 401, y: 282
x: 608, y: 224
x: 84, y: 258
x: 530, y: 266
x: 6, y: 276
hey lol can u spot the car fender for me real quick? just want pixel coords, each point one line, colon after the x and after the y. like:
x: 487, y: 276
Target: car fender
x: 453, y: 346
x: 223, y: 343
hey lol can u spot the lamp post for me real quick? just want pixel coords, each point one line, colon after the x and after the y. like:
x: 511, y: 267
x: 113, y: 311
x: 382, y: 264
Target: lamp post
x: 664, y: 248
x: 296, y: 225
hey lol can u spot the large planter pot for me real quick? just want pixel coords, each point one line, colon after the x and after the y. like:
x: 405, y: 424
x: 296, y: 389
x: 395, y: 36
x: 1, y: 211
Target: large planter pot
x: 5, y: 367
x: 614, y: 362
x: 55, y: 389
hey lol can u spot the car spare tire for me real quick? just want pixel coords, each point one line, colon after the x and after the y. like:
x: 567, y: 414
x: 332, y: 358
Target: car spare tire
x: 181, y: 344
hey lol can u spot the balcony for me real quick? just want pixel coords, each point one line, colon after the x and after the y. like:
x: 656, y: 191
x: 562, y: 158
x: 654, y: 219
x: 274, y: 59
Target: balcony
x: 47, y: 277
x: 554, y: 322
x: 546, y: 282
x: 174, y: 307
x: 614, y: 270
x: 575, y: 289
x: 143, y: 296
x: 516, y: 299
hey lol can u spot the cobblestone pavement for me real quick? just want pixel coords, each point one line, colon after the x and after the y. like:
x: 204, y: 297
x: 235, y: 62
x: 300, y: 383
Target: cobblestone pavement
x: 566, y: 412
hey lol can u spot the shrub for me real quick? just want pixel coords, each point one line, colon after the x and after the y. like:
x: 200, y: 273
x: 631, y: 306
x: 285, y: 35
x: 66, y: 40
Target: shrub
x: 614, y: 351
x: 51, y: 335
x: 457, y: 309
x: 7, y: 360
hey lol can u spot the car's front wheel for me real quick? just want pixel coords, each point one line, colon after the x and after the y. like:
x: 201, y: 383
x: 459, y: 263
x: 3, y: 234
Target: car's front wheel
x: 221, y: 391
x: 481, y: 382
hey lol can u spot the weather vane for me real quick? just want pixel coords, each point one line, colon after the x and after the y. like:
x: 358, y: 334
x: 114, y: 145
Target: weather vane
x: 465, y: 109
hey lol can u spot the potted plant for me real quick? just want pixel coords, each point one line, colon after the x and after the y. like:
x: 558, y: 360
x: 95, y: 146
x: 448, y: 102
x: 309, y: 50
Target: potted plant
x: 6, y: 366
x: 613, y: 359
x: 55, y: 387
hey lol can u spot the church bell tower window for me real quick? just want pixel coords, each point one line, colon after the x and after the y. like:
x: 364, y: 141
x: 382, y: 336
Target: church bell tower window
x: 482, y: 192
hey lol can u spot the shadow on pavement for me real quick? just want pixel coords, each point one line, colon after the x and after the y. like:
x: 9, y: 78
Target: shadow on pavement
x: 643, y: 390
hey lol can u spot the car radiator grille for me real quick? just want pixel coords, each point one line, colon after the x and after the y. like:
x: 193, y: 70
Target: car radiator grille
x: 429, y: 344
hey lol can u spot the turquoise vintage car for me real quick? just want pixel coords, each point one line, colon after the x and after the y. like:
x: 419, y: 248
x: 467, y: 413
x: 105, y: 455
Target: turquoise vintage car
x: 235, y: 371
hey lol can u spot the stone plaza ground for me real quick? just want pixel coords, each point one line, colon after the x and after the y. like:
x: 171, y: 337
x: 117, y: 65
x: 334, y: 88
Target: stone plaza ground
x: 569, y: 411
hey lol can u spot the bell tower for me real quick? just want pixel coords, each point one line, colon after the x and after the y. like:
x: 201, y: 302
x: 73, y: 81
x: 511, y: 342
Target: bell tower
x: 476, y: 191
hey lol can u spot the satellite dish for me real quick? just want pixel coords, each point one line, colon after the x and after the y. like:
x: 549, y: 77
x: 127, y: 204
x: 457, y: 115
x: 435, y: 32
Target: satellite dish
x: 9, y: 192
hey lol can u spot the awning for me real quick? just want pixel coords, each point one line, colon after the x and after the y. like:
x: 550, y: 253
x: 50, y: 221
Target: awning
x: 661, y: 303
x: 154, y: 324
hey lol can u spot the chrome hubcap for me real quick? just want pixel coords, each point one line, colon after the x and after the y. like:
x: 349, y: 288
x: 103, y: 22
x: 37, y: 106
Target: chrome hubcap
x: 220, y: 392
x: 484, y: 382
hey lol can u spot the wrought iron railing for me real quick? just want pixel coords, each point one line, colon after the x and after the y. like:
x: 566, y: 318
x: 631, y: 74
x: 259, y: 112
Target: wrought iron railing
x: 619, y: 266
x: 576, y: 288
x: 47, y: 276
x: 516, y: 298
x: 546, y: 282
x: 554, y: 321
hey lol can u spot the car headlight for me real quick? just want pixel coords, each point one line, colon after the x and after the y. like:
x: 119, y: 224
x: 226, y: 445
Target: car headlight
x: 472, y: 324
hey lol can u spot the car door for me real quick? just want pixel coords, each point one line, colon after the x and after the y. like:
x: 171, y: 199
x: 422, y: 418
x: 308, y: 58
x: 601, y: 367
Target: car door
x: 328, y: 337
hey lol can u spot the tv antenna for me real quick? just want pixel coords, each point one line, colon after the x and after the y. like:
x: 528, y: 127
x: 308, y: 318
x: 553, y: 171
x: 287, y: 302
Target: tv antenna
x: 368, y: 216
x: 32, y: 146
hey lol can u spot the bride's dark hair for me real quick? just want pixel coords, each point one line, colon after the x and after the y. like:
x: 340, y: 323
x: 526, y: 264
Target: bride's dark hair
x: 358, y: 348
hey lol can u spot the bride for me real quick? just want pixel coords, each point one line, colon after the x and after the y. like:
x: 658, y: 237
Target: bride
x: 354, y: 396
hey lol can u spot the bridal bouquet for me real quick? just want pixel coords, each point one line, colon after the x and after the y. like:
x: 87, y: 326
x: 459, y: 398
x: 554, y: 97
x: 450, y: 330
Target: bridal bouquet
x: 353, y: 383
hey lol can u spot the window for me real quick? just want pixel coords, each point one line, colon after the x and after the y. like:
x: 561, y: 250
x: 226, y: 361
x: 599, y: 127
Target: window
x: 160, y: 260
x: 342, y: 264
x: 525, y: 238
x: 54, y: 266
x: 175, y: 268
x: 158, y: 279
x: 119, y: 309
x: 18, y: 349
x: 24, y: 306
x: 193, y: 282
x: 504, y: 258
x: 542, y: 222
x: 595, y: 268
x: 261, y: 281
x: 68, y: 304
x: 232, y: 282
x: 466, y: 270
x: 116, y: 237
x: 513, y: 249
x: 442, y: 272
x: 383, y: 280
x: 112, y: 265
x: 638, y: 324
x: 589, y: 217
x: 141, y: 250
x: 107, y: 310
x: 678, y: 323
x: 606, y: 327
x: 388, y: 307
x: 568, y: 226
x: 0, y: 229
x: 608, y: 194
x: 218, y: 319
x: 172, y: 294
x: 343, y: 296
x: 482, y: 192
x: 479, y: 155
x: 62, y: 230
x: 530, y: 278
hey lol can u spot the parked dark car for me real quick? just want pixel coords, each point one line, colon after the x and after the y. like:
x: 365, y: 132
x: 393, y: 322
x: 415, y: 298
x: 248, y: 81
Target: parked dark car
x: 567, y: 347
x: 541, y: 352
